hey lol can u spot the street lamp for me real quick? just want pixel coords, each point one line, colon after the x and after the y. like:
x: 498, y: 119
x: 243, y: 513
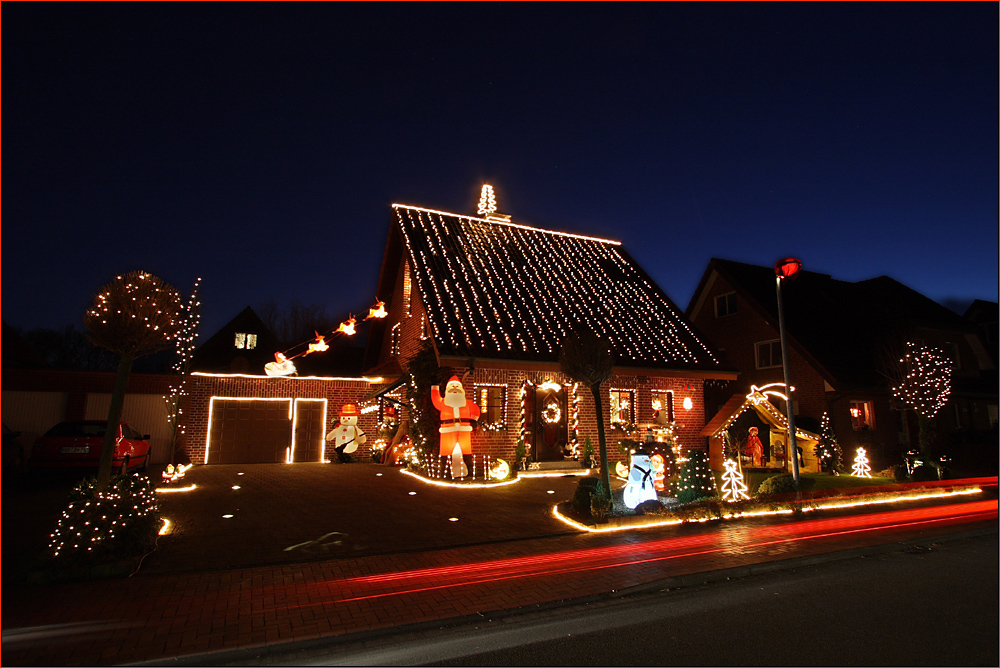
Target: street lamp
x: 788, y: 269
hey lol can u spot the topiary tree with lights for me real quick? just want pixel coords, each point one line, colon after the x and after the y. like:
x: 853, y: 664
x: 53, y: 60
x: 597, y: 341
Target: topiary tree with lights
x: 133, y: 315
x: 587, y: 359
x: 828, y: 450
x: 922, y: 384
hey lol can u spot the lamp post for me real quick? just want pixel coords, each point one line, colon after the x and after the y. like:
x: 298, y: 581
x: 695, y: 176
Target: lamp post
x: 787, y: 269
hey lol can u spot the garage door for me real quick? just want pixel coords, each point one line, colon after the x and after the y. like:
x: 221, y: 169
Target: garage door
x: 310, y: 423
x: 249, y: 431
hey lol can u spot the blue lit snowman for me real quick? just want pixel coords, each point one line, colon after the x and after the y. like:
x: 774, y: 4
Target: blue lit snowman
x: 641, y: 477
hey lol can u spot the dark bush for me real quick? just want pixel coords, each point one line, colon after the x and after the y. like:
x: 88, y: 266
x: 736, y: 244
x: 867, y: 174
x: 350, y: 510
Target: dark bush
x: 650, y: 507
x: 899, y: 472
x: 924, y: 473
x: 586, y: 488
x: 783, y: 483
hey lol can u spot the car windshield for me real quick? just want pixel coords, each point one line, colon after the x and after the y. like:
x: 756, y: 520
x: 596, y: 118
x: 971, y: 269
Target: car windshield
x: 78, y: 430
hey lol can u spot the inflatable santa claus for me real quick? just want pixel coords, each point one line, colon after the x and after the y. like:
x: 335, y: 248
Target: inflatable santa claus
x: 458, y: 415
x: 346, y: 435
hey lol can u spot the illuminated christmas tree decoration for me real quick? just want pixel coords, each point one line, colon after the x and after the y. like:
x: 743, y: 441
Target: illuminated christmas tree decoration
x: 861, y: 469
x: 733, y: 487
x: 487, y: 201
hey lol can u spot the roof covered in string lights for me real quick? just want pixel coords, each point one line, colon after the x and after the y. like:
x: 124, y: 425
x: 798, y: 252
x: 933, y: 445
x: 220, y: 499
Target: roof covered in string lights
x: 497, y: 289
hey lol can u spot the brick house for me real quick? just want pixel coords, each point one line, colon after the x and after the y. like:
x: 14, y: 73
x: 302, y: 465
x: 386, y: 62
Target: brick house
x: 841, y: 335
x: 496, y: 299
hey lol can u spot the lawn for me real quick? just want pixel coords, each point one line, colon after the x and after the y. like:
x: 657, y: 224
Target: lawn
x: 823, y: 480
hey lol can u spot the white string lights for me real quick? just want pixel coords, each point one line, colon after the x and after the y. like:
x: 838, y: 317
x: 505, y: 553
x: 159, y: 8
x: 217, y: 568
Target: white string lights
x: 927, y: 383
x: 514, y: 291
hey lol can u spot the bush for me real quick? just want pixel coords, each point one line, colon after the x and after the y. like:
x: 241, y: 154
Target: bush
x: 783, y: 483
x: 899, y: 473
x: 924, y: 473
x: 650, y: 507
x: 120, y: 522
x: 586, y: 488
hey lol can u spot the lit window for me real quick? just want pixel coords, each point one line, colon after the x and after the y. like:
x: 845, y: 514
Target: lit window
x: 251, y: 341
x: 622, y: 408
x: 663, y: 406
x: 491, y: 402
x: 862, y: 415
x: 768, y: 354
x: 725, y: 304
x: 241, y: 340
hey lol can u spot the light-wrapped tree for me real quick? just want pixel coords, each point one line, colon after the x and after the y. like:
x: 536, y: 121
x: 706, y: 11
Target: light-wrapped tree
x: 133, y: 315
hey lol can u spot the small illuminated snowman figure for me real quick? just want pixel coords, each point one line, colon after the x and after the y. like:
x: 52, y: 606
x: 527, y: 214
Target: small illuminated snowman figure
x: 346, y: 435
x: 641, y: 477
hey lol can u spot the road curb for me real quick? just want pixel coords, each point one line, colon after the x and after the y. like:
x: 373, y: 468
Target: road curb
x: 265, y: 654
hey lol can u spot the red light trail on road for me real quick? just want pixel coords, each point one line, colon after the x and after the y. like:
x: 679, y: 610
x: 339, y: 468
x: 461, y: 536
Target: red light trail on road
x: 747, y: 539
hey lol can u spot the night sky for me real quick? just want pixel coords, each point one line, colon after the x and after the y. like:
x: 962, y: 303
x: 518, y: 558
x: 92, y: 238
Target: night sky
x: 260, y: 146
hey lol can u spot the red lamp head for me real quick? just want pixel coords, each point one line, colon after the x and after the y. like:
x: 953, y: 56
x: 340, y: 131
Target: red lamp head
x: 789, y: 267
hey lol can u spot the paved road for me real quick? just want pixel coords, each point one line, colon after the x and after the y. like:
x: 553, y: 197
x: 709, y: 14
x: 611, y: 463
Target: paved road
x: 929, y: 604
x: 163, y: 616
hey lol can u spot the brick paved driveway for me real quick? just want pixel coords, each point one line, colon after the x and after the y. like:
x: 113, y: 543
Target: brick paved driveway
x: 305, y: 512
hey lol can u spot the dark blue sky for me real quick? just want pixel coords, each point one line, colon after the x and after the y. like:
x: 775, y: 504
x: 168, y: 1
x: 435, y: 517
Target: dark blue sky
x: 260, y: 146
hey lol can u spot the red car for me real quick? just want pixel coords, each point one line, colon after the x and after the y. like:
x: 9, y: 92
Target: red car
x: 79, y: 444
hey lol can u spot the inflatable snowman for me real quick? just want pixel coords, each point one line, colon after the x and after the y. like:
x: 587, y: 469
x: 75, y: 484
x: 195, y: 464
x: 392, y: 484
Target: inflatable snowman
x: 346, y: 435
x: 641, y: 477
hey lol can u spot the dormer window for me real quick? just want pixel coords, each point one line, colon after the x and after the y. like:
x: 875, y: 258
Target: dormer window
x: 245, y: 341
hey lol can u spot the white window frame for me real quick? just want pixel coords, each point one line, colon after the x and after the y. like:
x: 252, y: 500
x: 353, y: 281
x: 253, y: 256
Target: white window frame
x: 771, y: 344
x: 729, y: 299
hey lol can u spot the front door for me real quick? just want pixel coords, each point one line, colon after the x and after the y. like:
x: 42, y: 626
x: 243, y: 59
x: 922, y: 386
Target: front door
x: 550, y: 420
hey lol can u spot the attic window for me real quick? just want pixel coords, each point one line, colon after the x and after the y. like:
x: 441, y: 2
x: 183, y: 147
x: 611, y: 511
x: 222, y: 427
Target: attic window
x: 768, y: 354
x: 725, y: 304
x: 245, y: 341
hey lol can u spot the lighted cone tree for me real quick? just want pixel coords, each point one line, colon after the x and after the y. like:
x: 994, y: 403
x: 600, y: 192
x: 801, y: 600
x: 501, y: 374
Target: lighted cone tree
x: 133, y: 315
x: 828, y: 450
x: 696, y: 479
x: 733, y: 487
x: 861, y: 468
x: 923, y: 385
x: 587, y: 359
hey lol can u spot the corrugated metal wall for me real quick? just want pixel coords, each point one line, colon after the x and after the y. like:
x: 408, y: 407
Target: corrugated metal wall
x: 146, y: 412
x: 32, y: 414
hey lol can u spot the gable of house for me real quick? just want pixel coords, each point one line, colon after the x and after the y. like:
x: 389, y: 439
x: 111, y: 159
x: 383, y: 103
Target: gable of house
x: 492, y: 289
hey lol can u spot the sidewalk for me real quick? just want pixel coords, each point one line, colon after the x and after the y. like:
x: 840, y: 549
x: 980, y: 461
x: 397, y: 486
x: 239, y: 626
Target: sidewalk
x: 398, y: 575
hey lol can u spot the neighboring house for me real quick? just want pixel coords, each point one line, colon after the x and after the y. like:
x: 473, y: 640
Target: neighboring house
x: 841, y: 338
x: 497, y: 298
x: 243, y: 345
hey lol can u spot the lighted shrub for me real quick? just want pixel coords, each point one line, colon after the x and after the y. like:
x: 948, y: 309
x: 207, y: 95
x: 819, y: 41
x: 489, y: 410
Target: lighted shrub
x: 696, y: 479
x: 122, y: 521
